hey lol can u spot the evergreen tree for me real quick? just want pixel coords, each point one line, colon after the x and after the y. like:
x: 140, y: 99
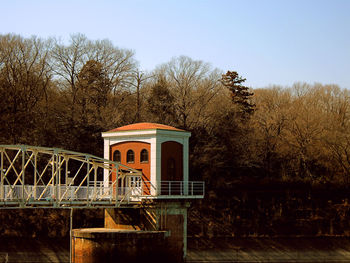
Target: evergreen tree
x: 240, y: 94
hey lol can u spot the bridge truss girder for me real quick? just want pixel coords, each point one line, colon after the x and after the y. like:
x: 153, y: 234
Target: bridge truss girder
x: 51, y: 177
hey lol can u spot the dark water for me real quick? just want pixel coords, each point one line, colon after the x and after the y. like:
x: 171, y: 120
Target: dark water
x: 277, y: 250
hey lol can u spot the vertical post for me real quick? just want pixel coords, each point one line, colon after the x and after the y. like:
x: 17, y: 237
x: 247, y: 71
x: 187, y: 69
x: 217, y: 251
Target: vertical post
x: 185, y: 163
x: 107, y: 171
x: 142, y: 186
x: 2, y: 175
x: 59, y: 178
x: 122, y: 187
x: 23, y: 171
x: 52, y: 189
x: 66, y: 159
x: 95, y: 182
x: 35, y: 173
x: 69, y: 187
x: 158, y: 178
x: 56, y: 177
x: 88, y: 179
x: 116, y: 183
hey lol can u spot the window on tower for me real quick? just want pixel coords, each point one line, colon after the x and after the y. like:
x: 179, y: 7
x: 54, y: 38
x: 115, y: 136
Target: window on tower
x: 130, y: 156
x: 116, y: 156
x: 144, y: 156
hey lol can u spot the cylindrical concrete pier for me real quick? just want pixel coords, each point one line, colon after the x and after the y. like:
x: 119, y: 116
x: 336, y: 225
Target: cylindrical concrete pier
x: 93, y: 245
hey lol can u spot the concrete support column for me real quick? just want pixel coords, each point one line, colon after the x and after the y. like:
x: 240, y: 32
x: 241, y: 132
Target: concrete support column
x: 154, y: 163
x: 158, y: 166
x: 185, y: 165
x: 172, y: 217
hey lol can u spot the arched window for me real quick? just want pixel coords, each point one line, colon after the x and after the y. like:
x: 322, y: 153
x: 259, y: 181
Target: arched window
x: 130, y: 156
x: 116, y: 156
x: 171, y: 169
x: 144, y: 156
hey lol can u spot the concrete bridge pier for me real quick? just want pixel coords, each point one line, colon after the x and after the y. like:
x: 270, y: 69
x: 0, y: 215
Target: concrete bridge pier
x: 92, y: 245
x: 154, y: 232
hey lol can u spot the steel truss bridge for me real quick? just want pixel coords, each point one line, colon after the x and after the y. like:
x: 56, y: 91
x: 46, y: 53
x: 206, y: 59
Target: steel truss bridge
x: 50, y: 177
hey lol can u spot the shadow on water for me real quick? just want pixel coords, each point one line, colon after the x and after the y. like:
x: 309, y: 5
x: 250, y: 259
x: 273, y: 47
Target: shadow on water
x: 17, y: 249
x: 276, y: 250
x: 219, y: 250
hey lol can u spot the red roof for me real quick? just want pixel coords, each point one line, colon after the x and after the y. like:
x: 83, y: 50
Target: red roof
x: 145, y: 126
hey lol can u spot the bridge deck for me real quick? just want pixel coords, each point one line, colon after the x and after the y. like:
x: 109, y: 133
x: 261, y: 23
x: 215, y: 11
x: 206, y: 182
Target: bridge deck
x: 83, y: 196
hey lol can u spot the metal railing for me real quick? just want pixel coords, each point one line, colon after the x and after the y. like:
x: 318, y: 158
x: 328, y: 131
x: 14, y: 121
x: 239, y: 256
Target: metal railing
x: 181, y: 188
x: 99, y: 193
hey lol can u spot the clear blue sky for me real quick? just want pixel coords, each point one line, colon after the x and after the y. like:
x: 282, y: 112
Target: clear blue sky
x: 268, y: 42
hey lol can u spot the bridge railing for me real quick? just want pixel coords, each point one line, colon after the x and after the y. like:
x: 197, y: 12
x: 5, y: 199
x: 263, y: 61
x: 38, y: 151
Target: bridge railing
x: 64, y: 193
x: 169, y: 189
x: 174, y: 189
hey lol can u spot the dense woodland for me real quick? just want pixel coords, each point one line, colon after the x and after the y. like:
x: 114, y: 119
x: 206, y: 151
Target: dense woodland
x: 64, y: 95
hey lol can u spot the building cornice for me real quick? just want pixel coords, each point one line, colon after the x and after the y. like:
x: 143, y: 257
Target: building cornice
x: 148, y: 133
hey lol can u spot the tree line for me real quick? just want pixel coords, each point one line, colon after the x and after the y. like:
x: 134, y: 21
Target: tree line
x: 64, y: 95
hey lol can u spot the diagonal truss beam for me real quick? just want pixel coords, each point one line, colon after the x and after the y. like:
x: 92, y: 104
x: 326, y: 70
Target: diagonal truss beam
x: 55, y: 177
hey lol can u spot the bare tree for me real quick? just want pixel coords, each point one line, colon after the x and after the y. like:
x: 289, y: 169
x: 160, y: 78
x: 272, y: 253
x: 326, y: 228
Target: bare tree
x: 193, y: 85
x: 25, y: 77
x: 336, y: 104
x: 270, y: 122
x: 136, y: 83
x: 68, y: 61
